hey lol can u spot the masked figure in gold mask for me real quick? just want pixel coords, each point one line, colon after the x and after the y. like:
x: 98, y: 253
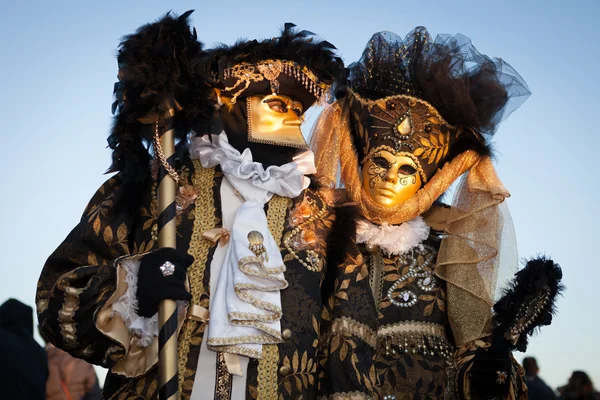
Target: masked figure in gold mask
x: 412, y: 282
x: 251, y: 226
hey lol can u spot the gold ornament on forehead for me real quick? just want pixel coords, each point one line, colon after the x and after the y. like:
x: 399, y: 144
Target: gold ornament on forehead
x: 245, y: 74
x: 255, y: 240
x: 271, y: 69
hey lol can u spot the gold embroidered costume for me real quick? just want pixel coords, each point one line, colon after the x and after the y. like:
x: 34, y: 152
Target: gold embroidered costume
x: 86, y: 279
x: 417, y: 280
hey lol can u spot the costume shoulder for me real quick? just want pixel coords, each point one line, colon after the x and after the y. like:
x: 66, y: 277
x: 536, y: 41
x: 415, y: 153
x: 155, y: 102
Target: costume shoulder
x: 79, y: 276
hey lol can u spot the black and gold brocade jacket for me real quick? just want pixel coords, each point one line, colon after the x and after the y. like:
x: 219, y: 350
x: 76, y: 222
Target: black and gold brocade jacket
x: 386, y: 334
x: 79, y: 278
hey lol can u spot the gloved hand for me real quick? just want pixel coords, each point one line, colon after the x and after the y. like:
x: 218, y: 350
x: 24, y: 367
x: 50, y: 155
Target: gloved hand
x: 491, y: 373
x: 153, y: 286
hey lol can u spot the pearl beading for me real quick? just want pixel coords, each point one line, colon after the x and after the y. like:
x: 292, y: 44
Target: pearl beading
x: 414, y: 342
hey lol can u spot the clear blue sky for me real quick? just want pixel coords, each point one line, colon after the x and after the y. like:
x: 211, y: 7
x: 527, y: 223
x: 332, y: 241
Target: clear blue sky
x: 58, y: 69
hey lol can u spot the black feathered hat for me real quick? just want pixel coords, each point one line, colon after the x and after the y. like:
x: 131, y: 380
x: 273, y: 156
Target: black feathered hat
x: 431, y: 98
x: 160, y: 68
x: 293, y: 64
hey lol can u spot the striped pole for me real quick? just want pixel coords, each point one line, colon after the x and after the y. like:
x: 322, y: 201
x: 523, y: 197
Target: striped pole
x: 164, y: 147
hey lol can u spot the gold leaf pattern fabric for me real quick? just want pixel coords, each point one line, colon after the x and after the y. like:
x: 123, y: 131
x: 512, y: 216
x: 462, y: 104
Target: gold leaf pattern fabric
x: 79, y: 277
x: 414, y: 356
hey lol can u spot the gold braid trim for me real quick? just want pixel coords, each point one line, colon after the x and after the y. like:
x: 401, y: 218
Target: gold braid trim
x: 267, y: 365
x: 353, y: 327
x: 267, y: 372
x: 204, y: 220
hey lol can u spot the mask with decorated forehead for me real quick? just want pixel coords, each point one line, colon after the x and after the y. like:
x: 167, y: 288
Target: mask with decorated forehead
x: 428, y: 99
x: 271, y: 83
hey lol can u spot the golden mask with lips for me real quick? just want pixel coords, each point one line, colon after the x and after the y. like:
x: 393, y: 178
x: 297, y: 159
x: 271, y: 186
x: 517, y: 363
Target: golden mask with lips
x: 275, y: 119
x: 390, y: 178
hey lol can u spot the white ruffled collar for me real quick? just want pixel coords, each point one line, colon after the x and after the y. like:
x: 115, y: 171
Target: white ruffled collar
x: 393, y: 239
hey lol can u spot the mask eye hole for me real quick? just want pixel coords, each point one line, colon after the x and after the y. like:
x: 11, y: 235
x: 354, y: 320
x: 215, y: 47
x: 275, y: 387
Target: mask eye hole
x: 277, y: 105
x: 407, y: 170
x: 381, y: 162
x: 297, y: 111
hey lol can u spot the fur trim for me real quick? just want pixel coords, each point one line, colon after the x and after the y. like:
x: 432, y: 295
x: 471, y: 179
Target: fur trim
x: 393, y: 239
x: 126, y: 307
x: 528, y: 304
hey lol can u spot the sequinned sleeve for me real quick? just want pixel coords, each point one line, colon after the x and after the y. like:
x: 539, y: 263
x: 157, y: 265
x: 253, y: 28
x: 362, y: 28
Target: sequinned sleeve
x: 79, y: 278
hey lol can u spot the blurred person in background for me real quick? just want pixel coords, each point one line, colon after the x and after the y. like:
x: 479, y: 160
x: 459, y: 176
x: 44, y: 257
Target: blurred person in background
x: 69, y: 378
x: 23, y: 362
x: 536, y: 387
x: 579, y: 387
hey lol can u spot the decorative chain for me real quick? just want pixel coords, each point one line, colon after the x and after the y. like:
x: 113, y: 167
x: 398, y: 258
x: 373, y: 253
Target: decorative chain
x: 161, y: 155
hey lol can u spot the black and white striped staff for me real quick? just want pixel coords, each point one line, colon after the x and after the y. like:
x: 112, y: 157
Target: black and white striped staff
x: 164, y: 149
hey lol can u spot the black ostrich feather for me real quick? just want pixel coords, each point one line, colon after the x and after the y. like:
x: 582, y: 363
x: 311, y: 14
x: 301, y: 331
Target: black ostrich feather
x: 158, y: 65
x: 300, y: 47
x: 528, y: 303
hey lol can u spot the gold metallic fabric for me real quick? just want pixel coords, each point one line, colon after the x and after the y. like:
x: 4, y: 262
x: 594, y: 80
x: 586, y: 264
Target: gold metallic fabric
x: 332, y: 130
x: 217, y: 235
x: 468, y: 256
x: 198, y: 313
x: 137, y: 360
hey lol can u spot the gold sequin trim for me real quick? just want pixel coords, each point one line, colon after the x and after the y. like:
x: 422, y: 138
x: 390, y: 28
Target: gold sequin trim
x: 267, y: 365
x: 353, y: 327
x: 204, y: 220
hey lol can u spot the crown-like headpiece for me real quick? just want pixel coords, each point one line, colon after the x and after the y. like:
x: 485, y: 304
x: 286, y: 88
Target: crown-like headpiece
x: 292, y: 64
x: 428, y: 99
x: 402, y: 124
x: 271, y: 71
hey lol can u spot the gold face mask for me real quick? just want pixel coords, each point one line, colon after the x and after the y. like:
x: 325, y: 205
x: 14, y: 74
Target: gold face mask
x: 275, y: 119
x: 390, y: 179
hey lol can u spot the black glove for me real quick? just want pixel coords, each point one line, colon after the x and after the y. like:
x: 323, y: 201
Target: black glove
x: 153, y: 286
x: 491, y: 373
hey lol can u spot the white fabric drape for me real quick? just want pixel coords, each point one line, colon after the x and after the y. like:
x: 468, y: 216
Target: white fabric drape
x: 245, y: 304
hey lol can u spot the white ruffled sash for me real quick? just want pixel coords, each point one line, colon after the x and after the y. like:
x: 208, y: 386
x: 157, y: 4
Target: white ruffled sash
x: 245, y: 308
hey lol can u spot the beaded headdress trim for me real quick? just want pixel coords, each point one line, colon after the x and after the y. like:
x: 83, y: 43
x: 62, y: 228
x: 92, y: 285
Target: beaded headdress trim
x: 270, y: 70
